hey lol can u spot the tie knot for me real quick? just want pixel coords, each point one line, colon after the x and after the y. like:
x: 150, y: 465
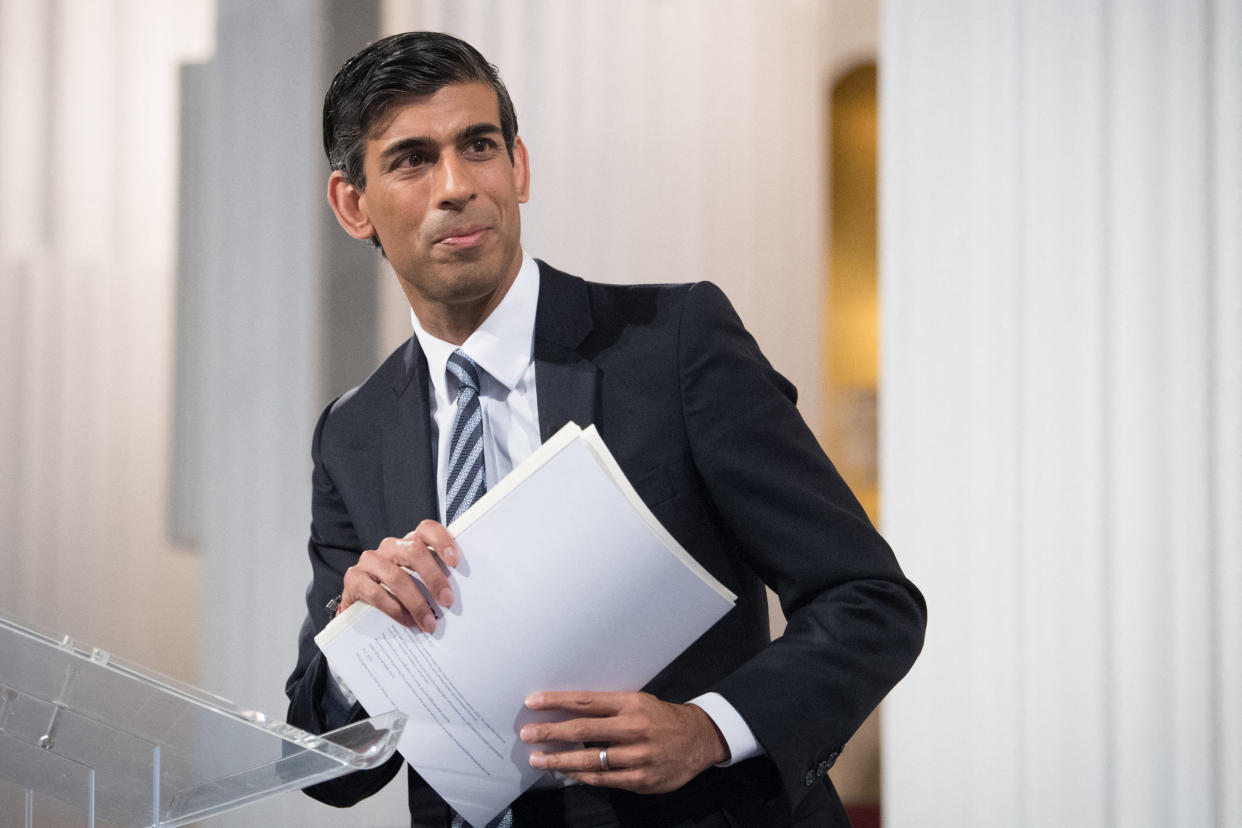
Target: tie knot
x: 464, y: 369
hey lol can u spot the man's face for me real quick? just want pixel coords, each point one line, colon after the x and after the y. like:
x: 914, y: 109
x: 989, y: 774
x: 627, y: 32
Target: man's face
x: 442, y: 195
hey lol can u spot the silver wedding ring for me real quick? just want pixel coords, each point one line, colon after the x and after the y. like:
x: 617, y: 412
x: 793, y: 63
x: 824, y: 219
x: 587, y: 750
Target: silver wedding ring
x: 603, y: 759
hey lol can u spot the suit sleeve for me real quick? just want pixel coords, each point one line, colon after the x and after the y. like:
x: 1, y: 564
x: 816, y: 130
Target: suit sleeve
x: 855, y: 623
x: 333, y: 548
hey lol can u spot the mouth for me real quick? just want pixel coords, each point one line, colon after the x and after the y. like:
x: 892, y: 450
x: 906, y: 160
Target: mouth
x: 462, y: 236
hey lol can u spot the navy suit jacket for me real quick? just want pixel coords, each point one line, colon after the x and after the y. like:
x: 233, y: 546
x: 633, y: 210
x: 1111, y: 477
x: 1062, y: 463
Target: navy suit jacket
x: 709, y: 435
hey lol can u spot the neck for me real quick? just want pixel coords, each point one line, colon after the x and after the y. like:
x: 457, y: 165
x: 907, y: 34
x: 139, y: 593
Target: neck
x: 454, y: 321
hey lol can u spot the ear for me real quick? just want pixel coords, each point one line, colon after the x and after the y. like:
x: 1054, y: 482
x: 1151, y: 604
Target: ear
x: 348, y: 203
x: 521, y: 170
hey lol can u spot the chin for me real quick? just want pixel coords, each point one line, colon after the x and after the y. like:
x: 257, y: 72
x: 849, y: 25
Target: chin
x: 468, y: 283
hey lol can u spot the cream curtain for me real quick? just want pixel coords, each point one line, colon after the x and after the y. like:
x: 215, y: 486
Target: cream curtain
x: 1061, y: 398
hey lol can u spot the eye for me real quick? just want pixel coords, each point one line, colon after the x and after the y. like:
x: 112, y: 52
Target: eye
x: 481, y: 148
x: 412, y: 159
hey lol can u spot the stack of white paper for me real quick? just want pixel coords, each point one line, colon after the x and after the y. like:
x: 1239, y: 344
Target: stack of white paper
x: 566, y: 582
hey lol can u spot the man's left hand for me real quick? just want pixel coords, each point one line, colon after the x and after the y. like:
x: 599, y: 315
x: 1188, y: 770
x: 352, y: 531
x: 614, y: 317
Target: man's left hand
x: 653, y: 746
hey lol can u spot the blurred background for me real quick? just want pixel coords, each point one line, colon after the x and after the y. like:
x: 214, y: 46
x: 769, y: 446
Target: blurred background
x: 995, y: 244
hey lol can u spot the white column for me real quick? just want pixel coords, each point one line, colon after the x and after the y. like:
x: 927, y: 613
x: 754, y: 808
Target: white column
x: 256, y: 288
x: 87, y: 207
x: 1061, y: 393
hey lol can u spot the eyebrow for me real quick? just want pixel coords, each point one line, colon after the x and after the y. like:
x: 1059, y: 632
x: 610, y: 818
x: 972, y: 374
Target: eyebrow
x: 424, y: 142
x: 476, y: 130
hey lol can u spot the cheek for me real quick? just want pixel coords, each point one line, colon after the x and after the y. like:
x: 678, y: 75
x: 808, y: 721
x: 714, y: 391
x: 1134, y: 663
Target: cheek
x: 399, y: 221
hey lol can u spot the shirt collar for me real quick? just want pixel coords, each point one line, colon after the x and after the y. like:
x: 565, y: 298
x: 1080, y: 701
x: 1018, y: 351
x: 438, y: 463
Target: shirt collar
x: 503, y: 345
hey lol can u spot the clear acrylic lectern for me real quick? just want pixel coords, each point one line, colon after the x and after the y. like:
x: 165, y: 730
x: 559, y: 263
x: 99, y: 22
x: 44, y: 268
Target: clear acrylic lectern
x: 87, y: 740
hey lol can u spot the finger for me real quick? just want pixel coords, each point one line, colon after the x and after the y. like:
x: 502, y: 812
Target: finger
x: 580, y: 701
x: 421, y: 564
x: 427, y: 552
x: 436, y: 537
x: 581, y: 760
x: 360, y: 588
x: 417, y: 561
x: 629, y: 780
x: 376, y: 579
x: 583, y: 729
x: 394, y: 609
x: 389, y: 566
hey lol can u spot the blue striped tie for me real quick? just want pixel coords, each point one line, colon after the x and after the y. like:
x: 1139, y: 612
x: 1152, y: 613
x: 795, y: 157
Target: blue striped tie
x: 465, y: 482
x: 505, y: 820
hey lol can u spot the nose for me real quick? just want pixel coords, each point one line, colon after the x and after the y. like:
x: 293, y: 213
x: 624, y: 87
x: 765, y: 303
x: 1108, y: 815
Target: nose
x: 454, y: 182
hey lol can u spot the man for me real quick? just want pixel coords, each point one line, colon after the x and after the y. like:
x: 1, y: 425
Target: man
x: 427, y: 164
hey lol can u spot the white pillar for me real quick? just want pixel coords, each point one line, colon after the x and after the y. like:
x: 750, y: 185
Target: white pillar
x: 87, y: 265
x: 259, y: 286
x: 1062, y: 409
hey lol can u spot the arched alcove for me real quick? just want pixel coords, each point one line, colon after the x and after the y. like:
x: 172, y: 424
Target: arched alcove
x: 850, y: 373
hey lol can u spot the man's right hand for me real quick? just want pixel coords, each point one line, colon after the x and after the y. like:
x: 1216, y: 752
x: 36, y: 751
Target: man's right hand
x: 379, y: 580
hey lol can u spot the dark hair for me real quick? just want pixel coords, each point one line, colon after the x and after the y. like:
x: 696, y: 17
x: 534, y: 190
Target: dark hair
x: 401, y: 66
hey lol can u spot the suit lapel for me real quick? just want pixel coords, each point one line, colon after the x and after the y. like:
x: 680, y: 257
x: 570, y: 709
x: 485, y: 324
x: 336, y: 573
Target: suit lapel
x: 566, y: 382
x: 409, y: 474
x: 566, y: 393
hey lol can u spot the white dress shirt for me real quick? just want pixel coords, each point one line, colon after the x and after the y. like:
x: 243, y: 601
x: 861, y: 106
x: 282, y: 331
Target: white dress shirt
x: 503, y: 348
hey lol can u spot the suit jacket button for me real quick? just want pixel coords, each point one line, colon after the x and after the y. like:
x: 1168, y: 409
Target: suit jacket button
x: 809, y: 779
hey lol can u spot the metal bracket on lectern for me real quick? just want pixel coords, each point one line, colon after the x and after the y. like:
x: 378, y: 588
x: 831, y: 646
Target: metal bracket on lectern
x: 48, y: 740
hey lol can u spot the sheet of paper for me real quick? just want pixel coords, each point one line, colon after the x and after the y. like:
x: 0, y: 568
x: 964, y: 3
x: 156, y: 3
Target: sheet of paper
x: 566, y: 583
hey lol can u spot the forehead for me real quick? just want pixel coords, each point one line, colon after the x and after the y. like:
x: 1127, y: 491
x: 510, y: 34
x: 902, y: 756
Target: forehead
x: 440, y: 116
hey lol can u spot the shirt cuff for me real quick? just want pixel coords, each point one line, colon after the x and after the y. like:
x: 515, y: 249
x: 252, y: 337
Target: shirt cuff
x: 737, y: 735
